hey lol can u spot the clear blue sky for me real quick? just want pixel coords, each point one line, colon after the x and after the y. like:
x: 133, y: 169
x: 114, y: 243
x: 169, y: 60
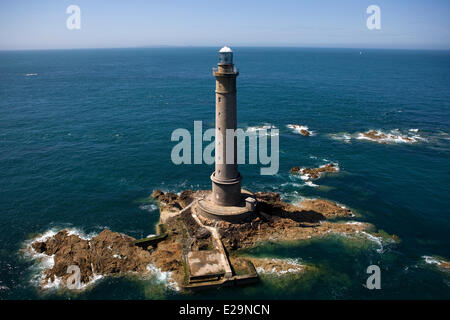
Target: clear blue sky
x: 41, y: 24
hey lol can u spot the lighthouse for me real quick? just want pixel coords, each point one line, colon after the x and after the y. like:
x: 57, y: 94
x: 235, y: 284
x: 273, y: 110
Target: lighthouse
x: 226, y: 179
x: 226, y: 201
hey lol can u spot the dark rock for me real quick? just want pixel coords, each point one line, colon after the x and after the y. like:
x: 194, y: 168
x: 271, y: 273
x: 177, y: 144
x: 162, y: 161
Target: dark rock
x: 40, y: 247
x: 156, y: 194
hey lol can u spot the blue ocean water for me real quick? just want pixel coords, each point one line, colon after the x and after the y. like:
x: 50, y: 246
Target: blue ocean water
x: 85, y: 136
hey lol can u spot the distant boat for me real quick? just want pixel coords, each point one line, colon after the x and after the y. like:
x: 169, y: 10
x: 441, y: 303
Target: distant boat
x: 31, y: 74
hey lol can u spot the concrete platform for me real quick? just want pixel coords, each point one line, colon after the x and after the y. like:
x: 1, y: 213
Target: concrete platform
x: 233, y: 214
x: 205, y: 264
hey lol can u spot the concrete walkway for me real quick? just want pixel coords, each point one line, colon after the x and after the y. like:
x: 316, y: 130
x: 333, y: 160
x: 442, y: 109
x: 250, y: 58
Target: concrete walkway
x: 219, y: 245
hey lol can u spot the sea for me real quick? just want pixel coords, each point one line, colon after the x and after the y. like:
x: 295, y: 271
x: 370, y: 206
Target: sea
x: 85, y: 137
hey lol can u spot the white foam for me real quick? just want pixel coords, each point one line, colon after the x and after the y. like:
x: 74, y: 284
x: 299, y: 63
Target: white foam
x: 293, y: 184
x: 31, y: 74
x: 431, y: 260
x: 149, y: 207
x: 46, y: 235
x: 304, y: 176
x: 346, y: 137
x: 394, y: 136
x: 268, y: 128
x: 377, y: 240
x: 163, y: 277
x: 295, y: 263
x: 80, y: 233
x: 368, y: 236
x: 311, y: 184
x: 58, y: 283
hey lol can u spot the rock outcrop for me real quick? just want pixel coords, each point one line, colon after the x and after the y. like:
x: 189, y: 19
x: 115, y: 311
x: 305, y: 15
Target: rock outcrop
x: 328, y: 208
x: 374, y: 135
x: 303, y: 130
x: 105, y: 254
x: 315, y: 173
x: 278, y: 221
x: 393, y: 137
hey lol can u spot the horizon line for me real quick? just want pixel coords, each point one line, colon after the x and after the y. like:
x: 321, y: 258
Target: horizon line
x: 234, y: 46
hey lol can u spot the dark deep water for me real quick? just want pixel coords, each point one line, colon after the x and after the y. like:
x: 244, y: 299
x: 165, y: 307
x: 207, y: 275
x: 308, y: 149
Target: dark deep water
x: 88, y: 137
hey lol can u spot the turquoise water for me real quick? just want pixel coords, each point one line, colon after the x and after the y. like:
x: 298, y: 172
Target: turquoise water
x: 84, y: 140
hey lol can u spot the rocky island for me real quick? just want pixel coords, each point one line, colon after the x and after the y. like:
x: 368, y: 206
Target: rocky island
x: 196, y: 251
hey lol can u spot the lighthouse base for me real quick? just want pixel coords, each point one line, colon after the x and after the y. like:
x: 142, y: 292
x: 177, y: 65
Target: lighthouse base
x: 233, y: 214
x: 226, y: 192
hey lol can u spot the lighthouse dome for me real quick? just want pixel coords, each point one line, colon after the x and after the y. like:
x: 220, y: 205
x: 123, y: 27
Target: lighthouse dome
x: 225, y: 56
x: 226, y: 49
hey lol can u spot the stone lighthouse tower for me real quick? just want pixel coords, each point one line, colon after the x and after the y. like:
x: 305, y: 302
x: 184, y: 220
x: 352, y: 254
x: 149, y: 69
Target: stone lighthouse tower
x: 226, y: 179
x: 226, y: 201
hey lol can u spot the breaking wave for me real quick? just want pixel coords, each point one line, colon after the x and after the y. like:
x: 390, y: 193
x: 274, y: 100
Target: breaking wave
x: 267, y: 127
x: 149, y: 207
x: 311, y: 184
x: 386, y: 137
x: 431, y: 260
x: 394, y: 136
x: 164, y: 277
x: 345, y: 137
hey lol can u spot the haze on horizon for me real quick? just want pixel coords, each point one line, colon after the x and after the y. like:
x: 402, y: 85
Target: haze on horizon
x: 413, y: 24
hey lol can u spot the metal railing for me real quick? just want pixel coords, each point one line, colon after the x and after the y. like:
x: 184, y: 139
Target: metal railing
x: 226, y: 70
